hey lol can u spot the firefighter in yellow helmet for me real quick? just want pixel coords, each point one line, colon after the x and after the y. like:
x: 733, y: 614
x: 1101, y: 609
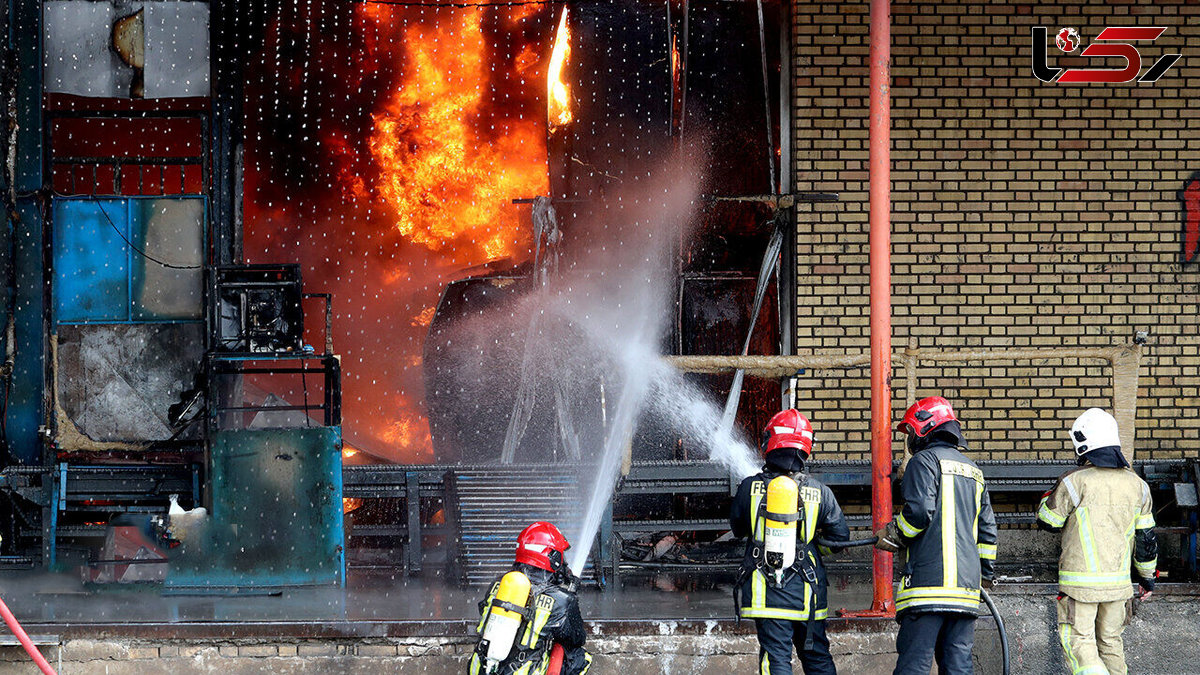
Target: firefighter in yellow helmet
x: 783, y: 585
x: 1106, y: 517
x: 530, y: 623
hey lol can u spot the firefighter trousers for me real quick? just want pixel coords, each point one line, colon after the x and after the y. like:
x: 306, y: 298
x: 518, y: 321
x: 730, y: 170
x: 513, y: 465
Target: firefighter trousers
x: 775, y: 640
x: 946, y: 638
x: 1090, y: 633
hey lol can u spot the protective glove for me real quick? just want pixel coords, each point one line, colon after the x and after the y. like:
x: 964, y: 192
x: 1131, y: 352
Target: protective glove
x: 567, y: 580
x: 888, y: 538
x: 1148, y: 584
x: 986, y: 584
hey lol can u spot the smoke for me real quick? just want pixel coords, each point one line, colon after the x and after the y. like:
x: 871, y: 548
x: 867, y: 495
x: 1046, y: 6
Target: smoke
x: 600, y: 325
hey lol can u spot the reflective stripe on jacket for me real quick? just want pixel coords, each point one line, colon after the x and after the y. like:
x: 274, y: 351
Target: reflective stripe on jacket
x: 795, y: 600
x: 949, y: 531
x: 1107, y: 519
x: 554, y: 618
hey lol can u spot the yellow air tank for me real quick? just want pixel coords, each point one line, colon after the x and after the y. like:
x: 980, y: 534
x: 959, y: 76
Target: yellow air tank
x: 502, y: 625
x: 779, y: 532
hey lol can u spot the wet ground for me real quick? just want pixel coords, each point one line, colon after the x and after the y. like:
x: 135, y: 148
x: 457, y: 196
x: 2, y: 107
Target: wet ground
x: 40, y: 597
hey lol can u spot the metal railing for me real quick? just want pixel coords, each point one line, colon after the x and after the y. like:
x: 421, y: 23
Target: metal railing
x: 1124, y: 362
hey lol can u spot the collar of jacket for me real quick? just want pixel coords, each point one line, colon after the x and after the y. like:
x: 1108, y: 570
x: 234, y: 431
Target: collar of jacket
x: 1106, y: 458
x: 949, y: 434
x: 784, y: 460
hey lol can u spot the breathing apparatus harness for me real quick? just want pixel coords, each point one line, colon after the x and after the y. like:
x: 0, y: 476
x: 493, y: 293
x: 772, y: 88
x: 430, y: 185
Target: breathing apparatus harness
x: 520, y: 655
x: 802, y: 564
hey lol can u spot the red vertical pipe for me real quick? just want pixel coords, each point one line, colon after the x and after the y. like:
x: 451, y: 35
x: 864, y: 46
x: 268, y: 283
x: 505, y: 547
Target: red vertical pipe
x: 881, y: 294
x: 33, y: 652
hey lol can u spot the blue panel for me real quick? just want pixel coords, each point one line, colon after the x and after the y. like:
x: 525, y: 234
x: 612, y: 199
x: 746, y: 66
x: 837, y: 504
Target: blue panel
x: 91, y: 260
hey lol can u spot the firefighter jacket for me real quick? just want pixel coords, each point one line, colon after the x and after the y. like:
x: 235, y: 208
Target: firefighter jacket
x: 1106, y: 517
x: 796, y: 598
x: 949, y: 532
x: 553, y: 618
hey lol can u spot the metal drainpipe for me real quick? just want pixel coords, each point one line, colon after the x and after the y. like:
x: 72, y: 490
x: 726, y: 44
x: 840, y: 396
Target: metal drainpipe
x: 881, y: 301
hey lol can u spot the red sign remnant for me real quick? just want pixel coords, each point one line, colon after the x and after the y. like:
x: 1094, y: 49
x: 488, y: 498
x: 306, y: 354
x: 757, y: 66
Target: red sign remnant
x: 1190, y: 196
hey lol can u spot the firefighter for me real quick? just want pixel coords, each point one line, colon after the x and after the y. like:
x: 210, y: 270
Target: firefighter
x: 530, y: 623
x: 782, y: 585
x: 948, y: 532
x: 1106, y: 516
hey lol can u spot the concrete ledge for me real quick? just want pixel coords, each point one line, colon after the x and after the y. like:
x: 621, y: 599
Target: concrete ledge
x: 201, y: 630
x: 1163, y: 638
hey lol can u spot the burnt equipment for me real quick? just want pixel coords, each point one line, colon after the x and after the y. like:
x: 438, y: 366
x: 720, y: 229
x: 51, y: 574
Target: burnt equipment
x: 255, y: 309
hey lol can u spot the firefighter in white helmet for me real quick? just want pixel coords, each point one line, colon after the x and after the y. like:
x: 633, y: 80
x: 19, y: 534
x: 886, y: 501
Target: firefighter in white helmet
x: 1106, y: 517
x: 783, y: 585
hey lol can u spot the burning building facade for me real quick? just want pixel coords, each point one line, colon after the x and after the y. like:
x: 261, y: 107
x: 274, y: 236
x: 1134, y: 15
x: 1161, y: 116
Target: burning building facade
x: 410, y: 135
x: 428, y: 170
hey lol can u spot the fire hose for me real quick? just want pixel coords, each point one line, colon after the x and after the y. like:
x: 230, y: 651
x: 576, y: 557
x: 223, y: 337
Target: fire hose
x: 987, y: 599
x: 30, y: 648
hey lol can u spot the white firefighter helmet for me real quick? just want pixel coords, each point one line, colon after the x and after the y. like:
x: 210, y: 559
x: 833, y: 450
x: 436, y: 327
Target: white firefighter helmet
x: 1094, y: 429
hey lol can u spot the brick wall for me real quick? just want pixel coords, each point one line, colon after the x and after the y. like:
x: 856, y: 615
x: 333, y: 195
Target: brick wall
x: 1041, y: 214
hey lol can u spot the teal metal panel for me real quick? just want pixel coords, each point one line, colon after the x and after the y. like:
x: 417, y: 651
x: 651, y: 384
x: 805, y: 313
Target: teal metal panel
x: 277, y: 514
x: 24, y: 411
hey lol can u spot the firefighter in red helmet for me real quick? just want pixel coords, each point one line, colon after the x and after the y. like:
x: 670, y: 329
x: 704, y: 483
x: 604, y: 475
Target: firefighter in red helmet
x: 530, y: 623
x: 948, y: 532
x: 782, y: 585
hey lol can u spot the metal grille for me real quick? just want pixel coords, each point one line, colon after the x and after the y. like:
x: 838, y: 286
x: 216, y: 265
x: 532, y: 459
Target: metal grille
x: 492, y: 507
x: 127, y: 152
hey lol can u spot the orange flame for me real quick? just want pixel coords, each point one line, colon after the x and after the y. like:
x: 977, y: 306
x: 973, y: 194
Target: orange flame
x: 676, y: 86
x: 424, y: 183
x: 449, y: 188
x: 674, y: 59
x: 425, y: 317
x: 558, y: 100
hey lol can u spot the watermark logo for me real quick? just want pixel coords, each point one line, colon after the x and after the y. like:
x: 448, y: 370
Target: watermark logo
x: 1067, y: 40
x: 1116, y: 42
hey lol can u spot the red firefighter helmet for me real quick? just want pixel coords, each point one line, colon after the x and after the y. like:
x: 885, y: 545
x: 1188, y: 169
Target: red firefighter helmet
x: 788, y: 429
x: 926, y: 415
x: 542, y: 545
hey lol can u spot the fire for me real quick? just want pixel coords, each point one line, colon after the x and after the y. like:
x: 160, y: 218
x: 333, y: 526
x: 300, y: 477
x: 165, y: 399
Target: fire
x: 428, y: 125
x: 408, y: 433
x: 676, y: 86
x: 425, y: 317
x: 674, y: 59
x: 450, y: 187
x: 558, y: 95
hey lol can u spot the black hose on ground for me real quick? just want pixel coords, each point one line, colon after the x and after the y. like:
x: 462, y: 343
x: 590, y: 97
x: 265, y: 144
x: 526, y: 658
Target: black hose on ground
x: 987, y: 600
x: 845, y: 544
